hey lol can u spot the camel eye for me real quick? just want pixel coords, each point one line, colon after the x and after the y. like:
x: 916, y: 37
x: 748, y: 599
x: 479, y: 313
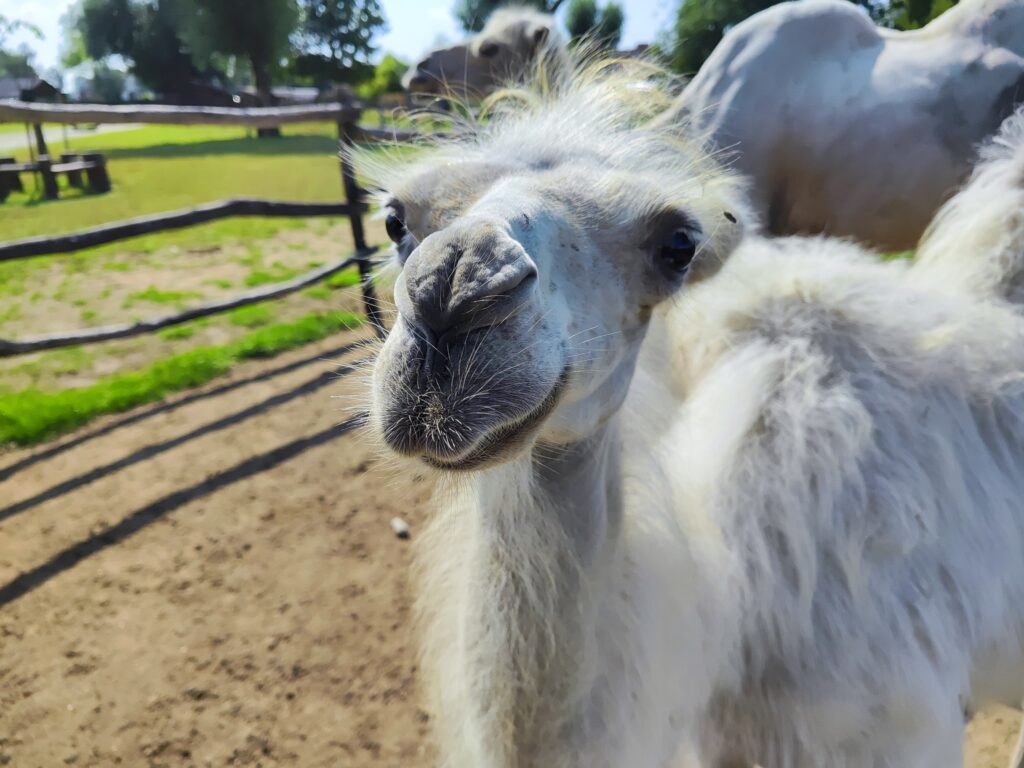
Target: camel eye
x: 488, y: 50
x: 395, y: 227
x: 675, y: 255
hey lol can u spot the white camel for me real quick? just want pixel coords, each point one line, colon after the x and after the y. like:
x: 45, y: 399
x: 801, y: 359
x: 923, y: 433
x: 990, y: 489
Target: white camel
x: 763, y: 500
x: 853, y: 130
x: 510, y: 46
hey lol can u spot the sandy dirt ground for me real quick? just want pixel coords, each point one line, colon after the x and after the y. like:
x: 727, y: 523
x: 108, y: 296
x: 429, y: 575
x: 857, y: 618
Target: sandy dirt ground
x: 212, y: 581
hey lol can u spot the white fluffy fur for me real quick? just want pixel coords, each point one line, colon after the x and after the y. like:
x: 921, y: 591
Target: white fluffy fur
x: 798, y: 543
x: 983, y: 223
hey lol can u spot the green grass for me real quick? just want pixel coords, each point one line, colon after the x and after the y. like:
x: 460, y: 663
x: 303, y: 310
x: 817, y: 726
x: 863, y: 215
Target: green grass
x: 279, y: 274
x: 32, y: 415
x: 344, y: 279
x: 155, y: 295
x: 318, y: 292
x: 252, y: 316
x: 162, y: 168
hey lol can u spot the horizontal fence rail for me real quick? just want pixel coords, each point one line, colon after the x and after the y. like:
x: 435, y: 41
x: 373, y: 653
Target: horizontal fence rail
x: 10, y: 347
x: 162, y: 222
x: 353, y: 208
x: 13, y: 111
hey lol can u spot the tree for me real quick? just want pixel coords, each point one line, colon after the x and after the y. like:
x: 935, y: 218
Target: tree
x: 585, y: 21
x: 700, y: 24
x: 17, y: 62
x: 147, y: 34
x: 472, y: 14
x: 914, y: 14
x: 335, y: 39
x: 258, y: 30
x: 387, y: 78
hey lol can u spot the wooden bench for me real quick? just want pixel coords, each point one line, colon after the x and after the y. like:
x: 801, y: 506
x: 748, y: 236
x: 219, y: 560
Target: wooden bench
x: 92, y: 164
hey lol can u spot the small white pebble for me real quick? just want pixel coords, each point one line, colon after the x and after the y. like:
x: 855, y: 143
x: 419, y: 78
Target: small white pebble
x: 399, y: 526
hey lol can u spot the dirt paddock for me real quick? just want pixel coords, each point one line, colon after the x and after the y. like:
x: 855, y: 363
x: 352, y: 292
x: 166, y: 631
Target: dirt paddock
x: 212, y: 581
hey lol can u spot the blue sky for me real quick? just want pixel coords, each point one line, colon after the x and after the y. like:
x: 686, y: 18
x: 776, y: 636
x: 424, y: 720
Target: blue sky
x: 414, y: 25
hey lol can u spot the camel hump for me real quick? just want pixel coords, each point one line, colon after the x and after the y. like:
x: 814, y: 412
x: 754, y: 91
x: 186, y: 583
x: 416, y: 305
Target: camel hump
x: 780, y: 45
x: 821, y: 26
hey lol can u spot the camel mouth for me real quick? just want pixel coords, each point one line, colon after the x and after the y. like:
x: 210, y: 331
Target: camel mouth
x: 466, y: 406
x: 420, y: 83
x: 504, y: 440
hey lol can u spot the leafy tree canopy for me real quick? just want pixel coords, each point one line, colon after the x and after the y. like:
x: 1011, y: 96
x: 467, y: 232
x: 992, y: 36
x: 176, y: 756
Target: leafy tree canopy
x: 335, y: 39
x: 257, y: 30
x: 601, y: 26
x: 387, y: 78
x: 147, y: 35
x: 15, y: 62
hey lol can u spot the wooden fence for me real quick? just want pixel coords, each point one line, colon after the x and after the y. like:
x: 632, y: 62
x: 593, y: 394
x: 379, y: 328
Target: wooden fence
x: 354, y: 207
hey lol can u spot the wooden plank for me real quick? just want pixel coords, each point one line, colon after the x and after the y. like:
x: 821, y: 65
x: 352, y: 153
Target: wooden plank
x: 11, y: 347
x: 161, y: 222
x: 13, y: 168
x: 72, y: 166
x: 261, y: 117
x: 398, y: 135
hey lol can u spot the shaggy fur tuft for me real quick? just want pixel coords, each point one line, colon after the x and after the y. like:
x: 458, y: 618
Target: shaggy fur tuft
x: 984, y: 223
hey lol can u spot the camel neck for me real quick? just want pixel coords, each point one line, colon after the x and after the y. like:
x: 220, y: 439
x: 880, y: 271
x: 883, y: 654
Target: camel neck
x: 546, y: 528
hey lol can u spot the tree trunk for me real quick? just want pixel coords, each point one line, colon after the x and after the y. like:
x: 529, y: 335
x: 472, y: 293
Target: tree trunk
x: 261, y: 72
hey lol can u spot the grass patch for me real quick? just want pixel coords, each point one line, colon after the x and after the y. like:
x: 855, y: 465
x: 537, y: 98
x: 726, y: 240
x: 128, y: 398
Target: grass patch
x: 252, y: 316
x: 156, y: 296
x: 278, y: 274
x: 318, y: 292
x: 344, y: 279
x: 31, y: 415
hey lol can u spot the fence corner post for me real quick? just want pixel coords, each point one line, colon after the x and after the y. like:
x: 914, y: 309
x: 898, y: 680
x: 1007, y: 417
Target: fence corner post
x: 347, y: 132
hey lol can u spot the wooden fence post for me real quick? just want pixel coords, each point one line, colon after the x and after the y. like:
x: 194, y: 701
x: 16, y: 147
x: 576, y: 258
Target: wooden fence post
x: 74, y: 177
x: 99, y: 179
x: 50, y: 189
x: 347, y: 131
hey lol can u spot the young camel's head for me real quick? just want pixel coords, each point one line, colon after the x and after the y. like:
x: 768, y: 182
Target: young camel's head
x: 514, y: 40
x: 532, y: 253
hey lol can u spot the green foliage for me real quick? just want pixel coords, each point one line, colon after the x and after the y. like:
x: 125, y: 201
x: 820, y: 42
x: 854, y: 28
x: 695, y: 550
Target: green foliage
x: 16, y: 63
x: 258, y: 30
x: 700, y: 24
x: 31, y: 415
x: 107, y: 84
x: 585, y: 21
x: 146, y: 34
x: 10, y: 26
x: 387, y: 78
x: 914, y: 14
x: 472, y: 14
x: 335, y: 39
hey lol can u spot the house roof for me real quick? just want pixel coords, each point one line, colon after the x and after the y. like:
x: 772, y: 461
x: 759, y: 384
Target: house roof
x: 22, y: 87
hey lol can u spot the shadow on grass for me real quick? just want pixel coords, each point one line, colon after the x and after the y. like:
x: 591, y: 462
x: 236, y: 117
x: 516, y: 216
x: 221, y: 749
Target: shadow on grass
x: 285, y: 145
x: 145, y: 516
